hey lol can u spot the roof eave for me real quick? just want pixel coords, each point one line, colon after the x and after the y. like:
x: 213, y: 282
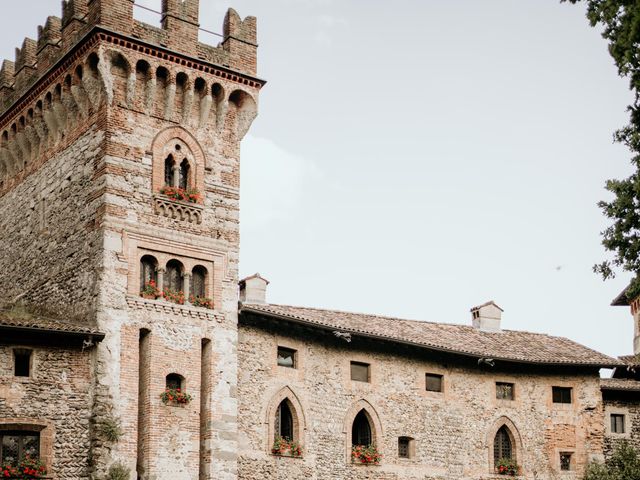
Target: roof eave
x: 421, y: 345
x: 96, y: 336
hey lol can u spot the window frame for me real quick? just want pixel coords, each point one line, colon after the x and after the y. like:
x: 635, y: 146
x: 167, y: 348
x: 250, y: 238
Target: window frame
x: 433, y: 376
x: 561, y: 400
x: 20, y: 434
x: 410, y: 447
x: 513, y: 391
x: 355, y: 363
x: 561, y: 464
x: 294, y: 357
x: 21, y: 353
x: 613, y: 424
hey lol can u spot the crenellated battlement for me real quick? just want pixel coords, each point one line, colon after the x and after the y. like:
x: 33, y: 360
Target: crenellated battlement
x: 179, y: 33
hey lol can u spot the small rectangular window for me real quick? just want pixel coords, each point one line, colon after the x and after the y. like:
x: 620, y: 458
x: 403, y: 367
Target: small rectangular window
x: 286, y: 357
x: 565, y: 461
x: 561, y: 395
x: 433, y: 382
x: 404, y: 447
x: 360, y: 372
x: 22, y: 362
x: 504, y: 391
x: 617, y: 423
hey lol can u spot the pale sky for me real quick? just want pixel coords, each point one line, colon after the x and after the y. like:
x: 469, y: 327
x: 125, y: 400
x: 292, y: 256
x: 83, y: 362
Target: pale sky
x: 418, y: 157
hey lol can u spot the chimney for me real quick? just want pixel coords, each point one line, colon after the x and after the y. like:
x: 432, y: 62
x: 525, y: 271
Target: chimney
x: 486, y: 317
x: 253, y: 289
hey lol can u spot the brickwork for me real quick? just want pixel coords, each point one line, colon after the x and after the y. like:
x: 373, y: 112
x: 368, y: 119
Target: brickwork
x: 453, y: 431
x: 88, y: 115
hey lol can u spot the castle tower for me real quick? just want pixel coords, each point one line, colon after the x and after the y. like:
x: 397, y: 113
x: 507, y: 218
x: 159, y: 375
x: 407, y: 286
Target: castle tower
x: 119, y: 171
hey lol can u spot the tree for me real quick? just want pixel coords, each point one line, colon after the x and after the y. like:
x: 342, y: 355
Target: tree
x: 621, y: 22
x: 624, y: 464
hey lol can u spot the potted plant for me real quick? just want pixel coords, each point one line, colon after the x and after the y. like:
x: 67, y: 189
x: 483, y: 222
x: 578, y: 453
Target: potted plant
x: 27, y: 468
x: 190, y: 195
x: 365, y: 454
x: 286, y: 448
x: 150, y: 290
x: 174, y: 296
x: 201, y: 302
x: 175, y: 396
x: 507, y: 466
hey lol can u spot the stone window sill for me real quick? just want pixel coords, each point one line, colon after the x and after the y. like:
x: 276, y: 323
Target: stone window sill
x: 277, y: 455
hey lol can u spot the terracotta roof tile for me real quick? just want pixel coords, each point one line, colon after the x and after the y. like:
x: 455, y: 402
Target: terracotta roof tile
x: 631, y: 360
x: 36, y: 322
x: 507, y: 345
x: 619, y: 384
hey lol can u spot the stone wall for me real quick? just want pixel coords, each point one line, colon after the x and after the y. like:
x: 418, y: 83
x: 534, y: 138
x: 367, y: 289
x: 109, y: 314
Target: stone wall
x: 453, y: 431
x: 627, y: 404
x: 57, y: 401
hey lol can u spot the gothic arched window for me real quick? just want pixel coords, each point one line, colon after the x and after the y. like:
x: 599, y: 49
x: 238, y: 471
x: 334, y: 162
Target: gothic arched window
x: 361, y: 430
x: 184, y: 174
x: 502, y: 445
x: 284, y: 422
x: 198, y: 279
x: 169, y: 163
x: 148, y: 271
x: 173, y: 279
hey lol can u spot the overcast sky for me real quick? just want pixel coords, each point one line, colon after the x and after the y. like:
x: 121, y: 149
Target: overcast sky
x: 418, y: 157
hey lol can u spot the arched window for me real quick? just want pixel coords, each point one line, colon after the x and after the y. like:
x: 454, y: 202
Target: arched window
x: 169, y: 163
x: 198, y: 278
x: 361, y: 430
x: 174, y: 381
x: 502, y: 445
x: 148, y: 271
x: 173, y: 279
x: 184, y: 174
x: 284, y: 422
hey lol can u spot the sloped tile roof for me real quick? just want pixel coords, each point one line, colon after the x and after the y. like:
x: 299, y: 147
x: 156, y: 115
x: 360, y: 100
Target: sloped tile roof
x: 507, y: 345
x: 631, y: 360
x: 40, y: 323
x: 619, y: 384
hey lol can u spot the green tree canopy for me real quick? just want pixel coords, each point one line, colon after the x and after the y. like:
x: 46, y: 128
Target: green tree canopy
x: 624, y: 464
x: 620, y: 20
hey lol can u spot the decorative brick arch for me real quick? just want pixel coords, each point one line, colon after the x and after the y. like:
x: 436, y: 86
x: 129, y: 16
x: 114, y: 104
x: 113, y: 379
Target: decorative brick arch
x: 514, y: 435
x: 165, y: 144
x: 46, y: 429
x: 297, y: 411
x: 374, y: 422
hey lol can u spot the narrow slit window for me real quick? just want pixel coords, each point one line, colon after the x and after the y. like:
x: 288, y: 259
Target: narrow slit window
x: 617, y: 423
x: 562, y: 394
x: 504, y: 391
x: 286, y: 357
x: 404, y: 447
x: 565, y: 461
x: 22, y: 362
x: 360, y: 372
x: 433, y: 382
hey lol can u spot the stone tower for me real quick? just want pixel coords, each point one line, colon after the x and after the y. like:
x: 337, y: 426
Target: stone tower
x: 119, y: 170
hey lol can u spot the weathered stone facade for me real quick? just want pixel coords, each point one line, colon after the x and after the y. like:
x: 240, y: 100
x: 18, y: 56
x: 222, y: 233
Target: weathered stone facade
x: 90, y: 116
x: 452, y: 431
x: 101, y: 119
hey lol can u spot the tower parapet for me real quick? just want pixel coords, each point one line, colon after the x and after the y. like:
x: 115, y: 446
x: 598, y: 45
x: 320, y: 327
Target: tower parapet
x: 179, y: 33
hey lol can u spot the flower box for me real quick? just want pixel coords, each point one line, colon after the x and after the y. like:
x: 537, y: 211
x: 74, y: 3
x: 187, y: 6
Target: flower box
x: 508, y: 467
x: 365, y: 455
x: 175, y: 396
x: 150, y: 290
x: 201, y: 302
x: 189, y: 195
x: 283, y: 447
x: 175, y: 297
x: 27, y: 468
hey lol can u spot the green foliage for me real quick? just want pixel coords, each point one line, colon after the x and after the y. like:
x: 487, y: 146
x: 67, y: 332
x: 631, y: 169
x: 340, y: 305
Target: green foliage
x: 624, y: 464
x: 118, y: 471
x: 111, y: 429
x: 620, y: 20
